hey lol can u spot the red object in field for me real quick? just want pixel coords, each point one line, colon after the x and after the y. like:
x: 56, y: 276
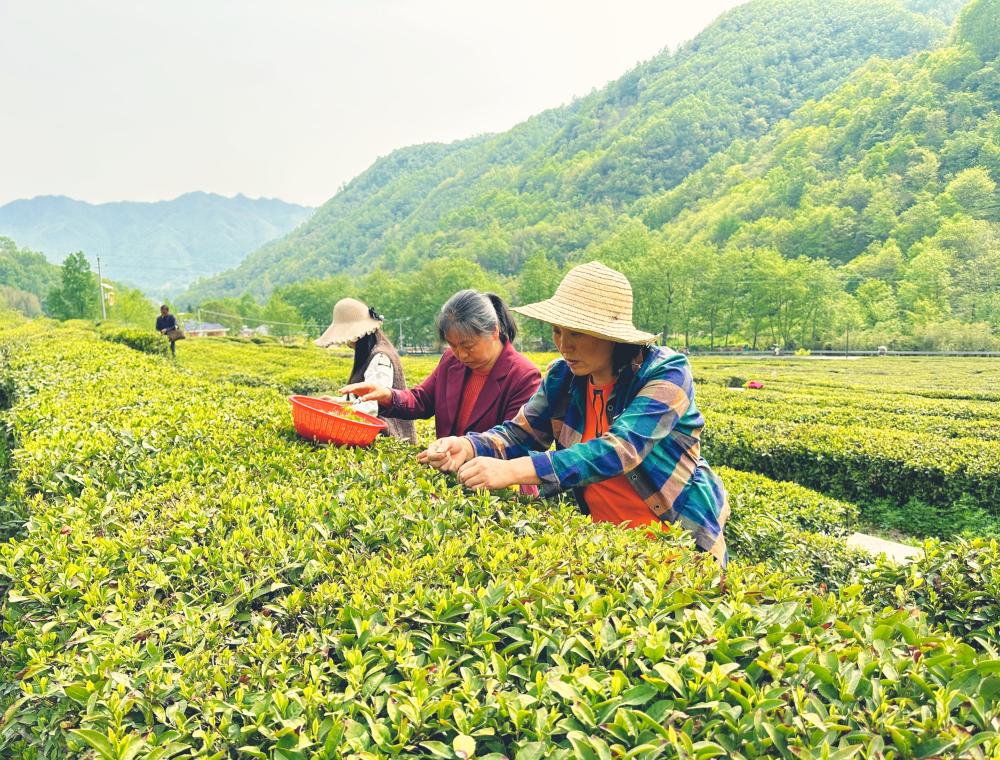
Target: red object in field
x: 313, y: 420
x: 755, y: 384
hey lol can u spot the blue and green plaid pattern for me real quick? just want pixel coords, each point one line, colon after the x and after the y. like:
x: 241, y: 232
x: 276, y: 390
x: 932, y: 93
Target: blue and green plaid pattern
x: 653, y: 438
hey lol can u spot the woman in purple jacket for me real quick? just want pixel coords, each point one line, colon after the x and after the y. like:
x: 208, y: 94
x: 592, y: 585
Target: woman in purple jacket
x: 480, y: 382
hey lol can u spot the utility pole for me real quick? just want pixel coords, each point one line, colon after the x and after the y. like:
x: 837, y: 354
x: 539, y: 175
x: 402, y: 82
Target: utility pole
x: 400, y: 320
x: 847, y: 352
x: 100, y: 289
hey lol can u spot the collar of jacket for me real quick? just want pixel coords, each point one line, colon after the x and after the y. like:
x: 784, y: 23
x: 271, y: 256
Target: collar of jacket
x: 457, y: 373
x: 621, y: 393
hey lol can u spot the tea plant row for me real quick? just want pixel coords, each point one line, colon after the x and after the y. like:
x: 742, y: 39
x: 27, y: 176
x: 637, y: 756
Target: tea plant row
x: 183, y: 577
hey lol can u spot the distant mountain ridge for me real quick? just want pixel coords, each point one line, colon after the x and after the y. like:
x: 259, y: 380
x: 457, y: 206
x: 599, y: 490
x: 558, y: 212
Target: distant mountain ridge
x: 161, y: 246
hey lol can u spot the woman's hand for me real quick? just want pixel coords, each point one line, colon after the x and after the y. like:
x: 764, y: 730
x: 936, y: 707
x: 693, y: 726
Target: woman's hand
x: 369, y: 392
x: 447, y: 454
x: 487, y: 473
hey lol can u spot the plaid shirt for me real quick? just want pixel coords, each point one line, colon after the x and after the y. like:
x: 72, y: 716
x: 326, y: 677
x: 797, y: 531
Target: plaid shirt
x: 653, y: 438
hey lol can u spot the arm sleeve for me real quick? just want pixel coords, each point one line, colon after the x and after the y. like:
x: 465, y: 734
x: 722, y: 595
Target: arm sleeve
x: 415, y: 404
x: 641, y: 427
x: 379, y: 372
x: 530, y: 430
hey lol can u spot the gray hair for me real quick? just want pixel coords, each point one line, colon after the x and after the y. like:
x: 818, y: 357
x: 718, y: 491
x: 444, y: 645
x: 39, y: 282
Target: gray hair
x: 473, y: 314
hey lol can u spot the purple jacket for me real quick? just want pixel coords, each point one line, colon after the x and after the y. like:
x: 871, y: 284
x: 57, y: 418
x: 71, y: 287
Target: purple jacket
x: 512, y: 381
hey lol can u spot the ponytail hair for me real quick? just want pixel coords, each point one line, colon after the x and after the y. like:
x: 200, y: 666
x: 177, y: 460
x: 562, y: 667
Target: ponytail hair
x: 508, y: 327
x: 470, y: 313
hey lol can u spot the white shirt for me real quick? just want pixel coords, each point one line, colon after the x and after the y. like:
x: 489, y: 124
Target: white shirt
x: 379, y: 372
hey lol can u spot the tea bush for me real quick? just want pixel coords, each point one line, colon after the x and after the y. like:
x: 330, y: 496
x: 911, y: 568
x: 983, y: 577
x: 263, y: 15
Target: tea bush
x: 946, y: 418
x: 791, y: 527
x: 186, y: 578
x: 957, y: 583
x: 148, y: 341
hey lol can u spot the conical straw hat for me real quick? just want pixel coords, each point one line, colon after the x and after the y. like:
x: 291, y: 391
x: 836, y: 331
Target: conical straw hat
x: 592, y: 299
x: 351, y: 320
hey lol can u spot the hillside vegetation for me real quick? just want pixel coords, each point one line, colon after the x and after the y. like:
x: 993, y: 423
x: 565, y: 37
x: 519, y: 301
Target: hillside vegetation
x: 558, y: 182
x: 894, y: 177
x: 163, y: 245
x: 26, y: 277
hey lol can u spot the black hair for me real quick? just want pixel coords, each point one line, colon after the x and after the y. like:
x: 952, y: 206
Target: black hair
x: 470, y: 312
x: 363, y: 346
x: 164, y: 307
x: 623, y: 354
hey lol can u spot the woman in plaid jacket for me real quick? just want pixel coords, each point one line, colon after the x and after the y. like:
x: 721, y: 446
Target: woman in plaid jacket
x: 620, y: 412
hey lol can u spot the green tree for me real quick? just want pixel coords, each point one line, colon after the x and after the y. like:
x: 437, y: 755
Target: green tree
x: 537, y: 281
x: 20, y: 300
x: 438, y: 281
x: 314, y: 299
x: 879, y: 218
x: 76, y: 297
x: 926, y: 290
x: 877, y: 302
x: 132, y: 307
x: 975, y: 192
x: 848, y: 320
x: 282, y: 319
x: 25, y: 270
x: 230, y: 312
x: 979, y: 26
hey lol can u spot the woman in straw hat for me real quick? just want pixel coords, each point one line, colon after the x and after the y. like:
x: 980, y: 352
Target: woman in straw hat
x: 375, y: 359
x: 621, y: 413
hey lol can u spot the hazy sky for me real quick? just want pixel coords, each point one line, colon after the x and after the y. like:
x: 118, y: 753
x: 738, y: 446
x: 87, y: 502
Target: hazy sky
x: 140, y: 100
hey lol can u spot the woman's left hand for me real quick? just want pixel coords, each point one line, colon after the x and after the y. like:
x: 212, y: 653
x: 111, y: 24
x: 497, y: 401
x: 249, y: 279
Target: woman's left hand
x: 486, y: 473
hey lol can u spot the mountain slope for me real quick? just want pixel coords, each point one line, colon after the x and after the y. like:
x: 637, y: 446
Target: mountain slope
x: 159, y: 246
x: 874, y: 211
x: 557, y: 183
x: 394, y: 191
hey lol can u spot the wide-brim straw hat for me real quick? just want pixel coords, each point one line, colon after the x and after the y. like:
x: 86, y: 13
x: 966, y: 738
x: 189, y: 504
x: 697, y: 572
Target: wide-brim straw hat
x: 351, y: 320
x: 592, y: 299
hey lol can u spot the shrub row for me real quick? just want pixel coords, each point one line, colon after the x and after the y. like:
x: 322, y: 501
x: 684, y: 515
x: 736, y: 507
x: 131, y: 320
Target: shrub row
x: 959, y: 419
x: 192, y: 580
x: 147, y: 341
x: 859, y: 464
x: 943, y: 379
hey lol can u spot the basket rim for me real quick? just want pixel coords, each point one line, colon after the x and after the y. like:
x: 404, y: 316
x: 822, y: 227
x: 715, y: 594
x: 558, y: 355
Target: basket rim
x: 370, y: 421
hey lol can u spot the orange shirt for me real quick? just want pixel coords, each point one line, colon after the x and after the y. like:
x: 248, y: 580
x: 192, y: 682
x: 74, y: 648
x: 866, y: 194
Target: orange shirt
x: 613, y: 500
x: 470, y: 393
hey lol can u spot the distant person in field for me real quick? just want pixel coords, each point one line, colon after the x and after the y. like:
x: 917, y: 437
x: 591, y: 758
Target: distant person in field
x: 481, y: 380
x: 166, y: 323
x: 375, y: 359
x: 622, y: 416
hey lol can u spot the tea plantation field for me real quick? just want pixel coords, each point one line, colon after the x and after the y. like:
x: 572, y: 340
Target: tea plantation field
x: 181, y: 576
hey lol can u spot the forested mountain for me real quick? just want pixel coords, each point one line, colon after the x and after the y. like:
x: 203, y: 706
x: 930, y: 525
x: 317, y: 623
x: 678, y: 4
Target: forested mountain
x: 558, y: 182
x: 160, y: 246
x: 875, y: 209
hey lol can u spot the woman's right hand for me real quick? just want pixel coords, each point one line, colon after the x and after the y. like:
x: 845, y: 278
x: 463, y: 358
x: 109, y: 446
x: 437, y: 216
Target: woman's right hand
x: 369, y: 392
x: 447, y: 454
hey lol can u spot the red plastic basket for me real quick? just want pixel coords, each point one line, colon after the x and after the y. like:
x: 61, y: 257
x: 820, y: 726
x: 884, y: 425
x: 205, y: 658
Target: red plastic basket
x: 313, y: 421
